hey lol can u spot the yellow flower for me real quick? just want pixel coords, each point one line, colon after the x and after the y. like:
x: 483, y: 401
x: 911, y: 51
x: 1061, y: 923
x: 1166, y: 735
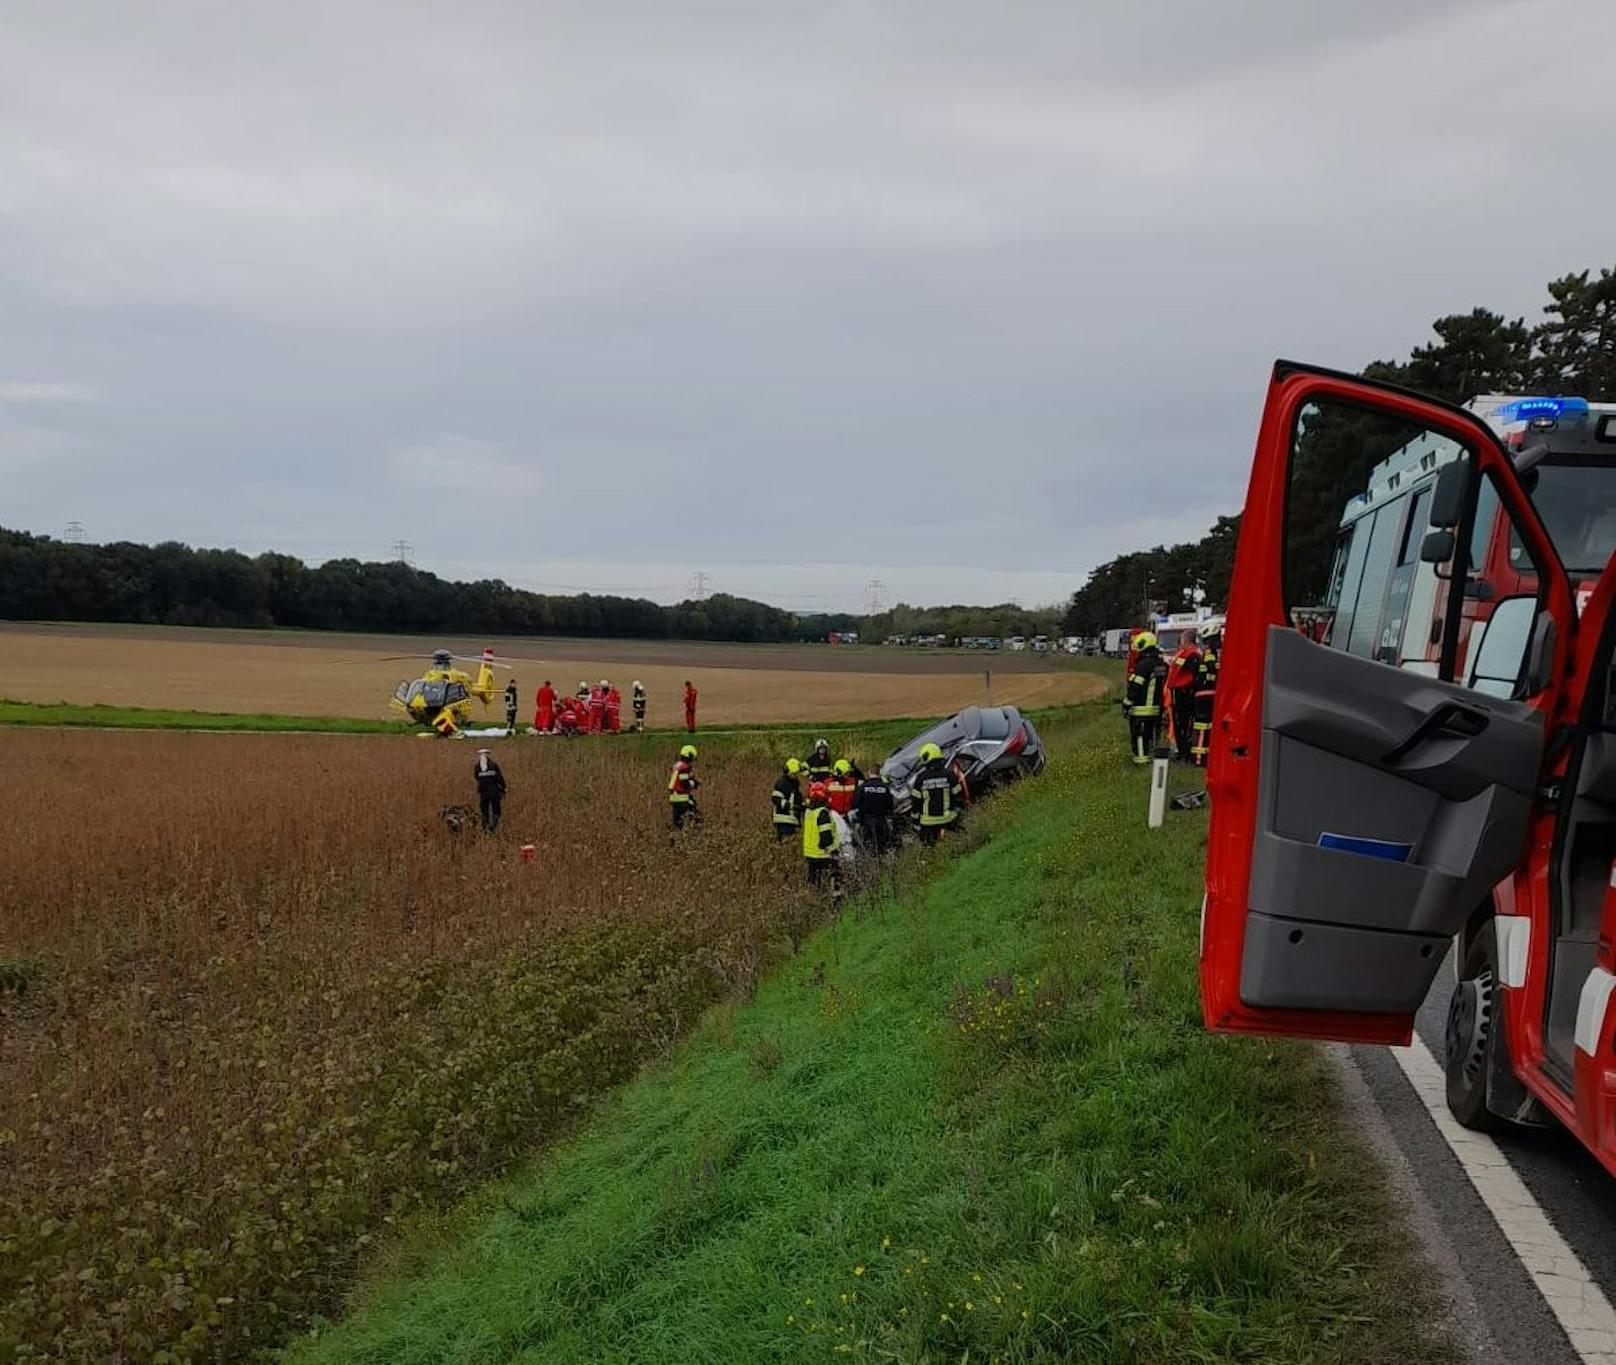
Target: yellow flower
x: 858, y: 1270
x: 885, y: 1243
x: 1026, y: 1313
x: 969, y: 1306
x: 790, y: 1318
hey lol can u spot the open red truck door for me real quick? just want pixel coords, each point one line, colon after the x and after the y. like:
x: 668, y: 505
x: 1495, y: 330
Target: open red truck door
x: 1361, y: 812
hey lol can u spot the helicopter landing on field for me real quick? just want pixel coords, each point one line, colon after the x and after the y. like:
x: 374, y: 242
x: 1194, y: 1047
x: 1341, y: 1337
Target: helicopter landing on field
x: 441, y: 697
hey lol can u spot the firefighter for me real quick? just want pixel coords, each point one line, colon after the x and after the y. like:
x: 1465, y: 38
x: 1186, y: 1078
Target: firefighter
x: 690, y: 706
x: 1206, y: 686
x: 1182, y: 674
x: 490, y: 789
x: 1142, y: 701
x: 582, y: 693
x: 787, y: 798
x: 841, y: 787
x: 818, y: 763
x: 822, y: 841
x: 512, y: 701
x: 682, y: 788
x: 639, y: 708
x: 544, y: 708
x: 614, y: 709
x: 873, y: 807
x: 935, y: 792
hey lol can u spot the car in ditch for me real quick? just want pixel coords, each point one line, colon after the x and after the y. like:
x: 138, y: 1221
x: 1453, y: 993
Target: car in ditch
x: 986, y: 745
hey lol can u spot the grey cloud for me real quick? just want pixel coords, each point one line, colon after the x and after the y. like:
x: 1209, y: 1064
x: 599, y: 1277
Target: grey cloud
x: 965, y: 297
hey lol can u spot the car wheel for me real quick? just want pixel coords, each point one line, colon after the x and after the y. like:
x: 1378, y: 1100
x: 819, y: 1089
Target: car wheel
x: 1474, y: 1032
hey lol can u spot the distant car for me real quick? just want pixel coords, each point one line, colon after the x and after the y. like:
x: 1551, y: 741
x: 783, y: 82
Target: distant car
x: 989, y: 745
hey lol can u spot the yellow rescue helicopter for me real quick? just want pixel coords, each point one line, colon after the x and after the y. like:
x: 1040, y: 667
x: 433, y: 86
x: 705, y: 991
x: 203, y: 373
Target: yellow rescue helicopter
x: 441, y: 697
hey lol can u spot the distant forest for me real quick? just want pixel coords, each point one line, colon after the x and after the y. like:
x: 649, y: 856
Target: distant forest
x: 1571, y: 352
x: 44, y: 579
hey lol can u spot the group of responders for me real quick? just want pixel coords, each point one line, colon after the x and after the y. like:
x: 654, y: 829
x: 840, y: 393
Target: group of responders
x: 594, y: 709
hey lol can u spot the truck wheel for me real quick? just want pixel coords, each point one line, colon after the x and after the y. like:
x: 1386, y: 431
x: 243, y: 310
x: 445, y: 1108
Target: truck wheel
x: 1473, y: 1033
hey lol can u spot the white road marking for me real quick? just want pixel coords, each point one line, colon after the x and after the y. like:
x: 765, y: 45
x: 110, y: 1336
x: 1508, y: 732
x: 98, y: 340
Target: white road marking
x: 1570, y: 1291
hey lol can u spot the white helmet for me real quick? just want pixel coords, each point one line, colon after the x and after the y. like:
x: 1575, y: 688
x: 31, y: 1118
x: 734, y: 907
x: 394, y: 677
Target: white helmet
x: 604, y: 683
x: 638, y: 685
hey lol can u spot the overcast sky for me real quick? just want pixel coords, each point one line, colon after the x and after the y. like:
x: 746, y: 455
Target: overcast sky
x: 962, y: 297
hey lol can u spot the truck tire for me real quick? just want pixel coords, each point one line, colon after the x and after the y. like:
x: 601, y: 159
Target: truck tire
x: 1474, y: 1034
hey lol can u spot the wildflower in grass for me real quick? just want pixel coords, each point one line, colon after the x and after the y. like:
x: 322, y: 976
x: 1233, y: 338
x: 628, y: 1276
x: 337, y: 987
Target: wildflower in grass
x: 858, y: 1270
x: 969, y: 1306
x: 886, y: 1243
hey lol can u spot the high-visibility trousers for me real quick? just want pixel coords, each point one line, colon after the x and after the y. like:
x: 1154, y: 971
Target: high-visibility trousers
x: 1202, y: 727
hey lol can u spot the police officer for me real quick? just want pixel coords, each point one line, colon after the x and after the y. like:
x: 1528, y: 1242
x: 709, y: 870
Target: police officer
x: 490, y: 789
x: 822, y: 841
x: 1206, y: 686
x: 935, y: 792
x: 818, y: 764
x: 788, y: 802
x: 682, y: 786
x: 1142, y: 701
x: 873, y: 807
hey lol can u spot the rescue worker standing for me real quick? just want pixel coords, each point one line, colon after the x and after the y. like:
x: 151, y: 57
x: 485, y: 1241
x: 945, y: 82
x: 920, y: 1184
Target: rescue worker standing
x: 873, y: 808
x: 682, y: 788
x: 935, y: 792
x: 841, y: 787
x: 512, y: 701
x: 788, y: 802
x: 822, y: 842
x: 614, y: 708
x: 544, y: 708
x: 1142, y: 701
x: 639, y: 708
x: 690, y: 706
x: 818, y: 762
x: 490, y: 789
x: 1181, y: 683
x: 1206, y: 687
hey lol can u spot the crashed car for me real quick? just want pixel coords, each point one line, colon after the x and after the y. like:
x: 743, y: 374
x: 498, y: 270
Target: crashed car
x: 986, y: 745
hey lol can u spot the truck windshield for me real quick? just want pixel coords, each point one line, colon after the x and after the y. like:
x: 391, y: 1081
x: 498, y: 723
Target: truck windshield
x: 1577, y: 502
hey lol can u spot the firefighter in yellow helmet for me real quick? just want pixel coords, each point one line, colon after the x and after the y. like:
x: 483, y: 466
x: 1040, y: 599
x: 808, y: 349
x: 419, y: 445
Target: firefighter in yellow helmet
x: 935, y: 794
x: 1142, y: 698
x: 682, y: 788
x: 787, y: 798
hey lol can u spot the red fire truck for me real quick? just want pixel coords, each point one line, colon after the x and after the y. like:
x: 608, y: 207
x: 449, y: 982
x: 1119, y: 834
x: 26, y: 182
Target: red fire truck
x: 1374, y: 805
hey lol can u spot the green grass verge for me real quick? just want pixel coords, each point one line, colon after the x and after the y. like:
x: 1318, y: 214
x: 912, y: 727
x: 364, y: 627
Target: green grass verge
x: 978, y: 1121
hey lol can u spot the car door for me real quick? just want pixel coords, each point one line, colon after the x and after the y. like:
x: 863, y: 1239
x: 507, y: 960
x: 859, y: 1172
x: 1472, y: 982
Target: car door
x: 1361, y: 811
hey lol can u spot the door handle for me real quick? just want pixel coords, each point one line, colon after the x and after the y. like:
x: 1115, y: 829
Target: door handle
x: 1451, y: 720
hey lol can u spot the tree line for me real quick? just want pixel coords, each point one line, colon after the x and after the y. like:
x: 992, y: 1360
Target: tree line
x: 43, y: 579
x: 1572, y: 351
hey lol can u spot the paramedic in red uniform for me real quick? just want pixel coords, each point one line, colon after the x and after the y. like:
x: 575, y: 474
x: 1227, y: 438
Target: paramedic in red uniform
x: 597, y: 710
x: 614, y: 709
x: 1182, y: 675
x: 690, y: 706
x: 544, y: 702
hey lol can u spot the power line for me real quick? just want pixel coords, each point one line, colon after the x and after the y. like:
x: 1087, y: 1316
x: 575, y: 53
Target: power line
x: 402, y: 550
x: 698, y: 587
x: 876, y: 596
x: 74, y: 533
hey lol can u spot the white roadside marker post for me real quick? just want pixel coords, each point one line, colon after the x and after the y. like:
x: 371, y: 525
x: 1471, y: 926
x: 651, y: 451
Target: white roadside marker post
x: 1158, y: 788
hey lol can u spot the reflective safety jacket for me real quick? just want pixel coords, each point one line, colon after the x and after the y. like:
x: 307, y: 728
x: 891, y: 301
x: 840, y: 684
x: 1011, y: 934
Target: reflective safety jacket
x: 819, y: 769
x: 682, y: 785
x: 639, y: 702
x: 935, y: 791
x: 1145, y: 683
x: 1185, y: 669
x: 1206, y: 677
x: 840, y: 791
x: 820, y: 836
x: 788, y: 803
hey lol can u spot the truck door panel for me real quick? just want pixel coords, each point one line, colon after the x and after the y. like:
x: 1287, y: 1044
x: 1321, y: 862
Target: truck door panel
x: 1361, y: 812
x: 1449, y: 815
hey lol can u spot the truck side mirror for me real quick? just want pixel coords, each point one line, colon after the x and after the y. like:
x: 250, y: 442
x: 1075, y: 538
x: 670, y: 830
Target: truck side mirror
x: 1448, y: 494
x: 1437, y: 547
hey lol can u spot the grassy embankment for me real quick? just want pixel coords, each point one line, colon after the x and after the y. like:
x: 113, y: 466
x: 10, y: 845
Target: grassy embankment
x: 976, y: 1121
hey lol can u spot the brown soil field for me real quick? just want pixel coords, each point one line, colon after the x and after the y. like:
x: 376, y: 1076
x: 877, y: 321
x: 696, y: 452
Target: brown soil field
x: 313, y: 674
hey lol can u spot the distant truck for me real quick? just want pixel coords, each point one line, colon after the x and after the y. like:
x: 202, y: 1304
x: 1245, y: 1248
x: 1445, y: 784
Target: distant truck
x: 1114, y: 643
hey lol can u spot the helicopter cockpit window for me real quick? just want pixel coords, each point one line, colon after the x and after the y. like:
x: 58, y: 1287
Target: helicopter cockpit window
x: 432, y: 693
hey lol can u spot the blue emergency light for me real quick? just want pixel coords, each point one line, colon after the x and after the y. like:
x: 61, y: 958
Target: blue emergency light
x: 1526, y: 409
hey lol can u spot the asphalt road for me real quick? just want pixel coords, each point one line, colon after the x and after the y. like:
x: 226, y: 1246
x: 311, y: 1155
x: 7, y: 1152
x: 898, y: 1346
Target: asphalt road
x: 1498, y: 1309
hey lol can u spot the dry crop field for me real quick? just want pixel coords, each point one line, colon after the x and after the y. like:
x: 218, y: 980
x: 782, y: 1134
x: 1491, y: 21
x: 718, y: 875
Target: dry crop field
x: 338, y: 675
x: 256, y: 1004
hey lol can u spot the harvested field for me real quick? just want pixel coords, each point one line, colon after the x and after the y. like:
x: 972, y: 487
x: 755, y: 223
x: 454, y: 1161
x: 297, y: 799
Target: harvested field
x: 257, y: 1004
x: 322, y: 675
